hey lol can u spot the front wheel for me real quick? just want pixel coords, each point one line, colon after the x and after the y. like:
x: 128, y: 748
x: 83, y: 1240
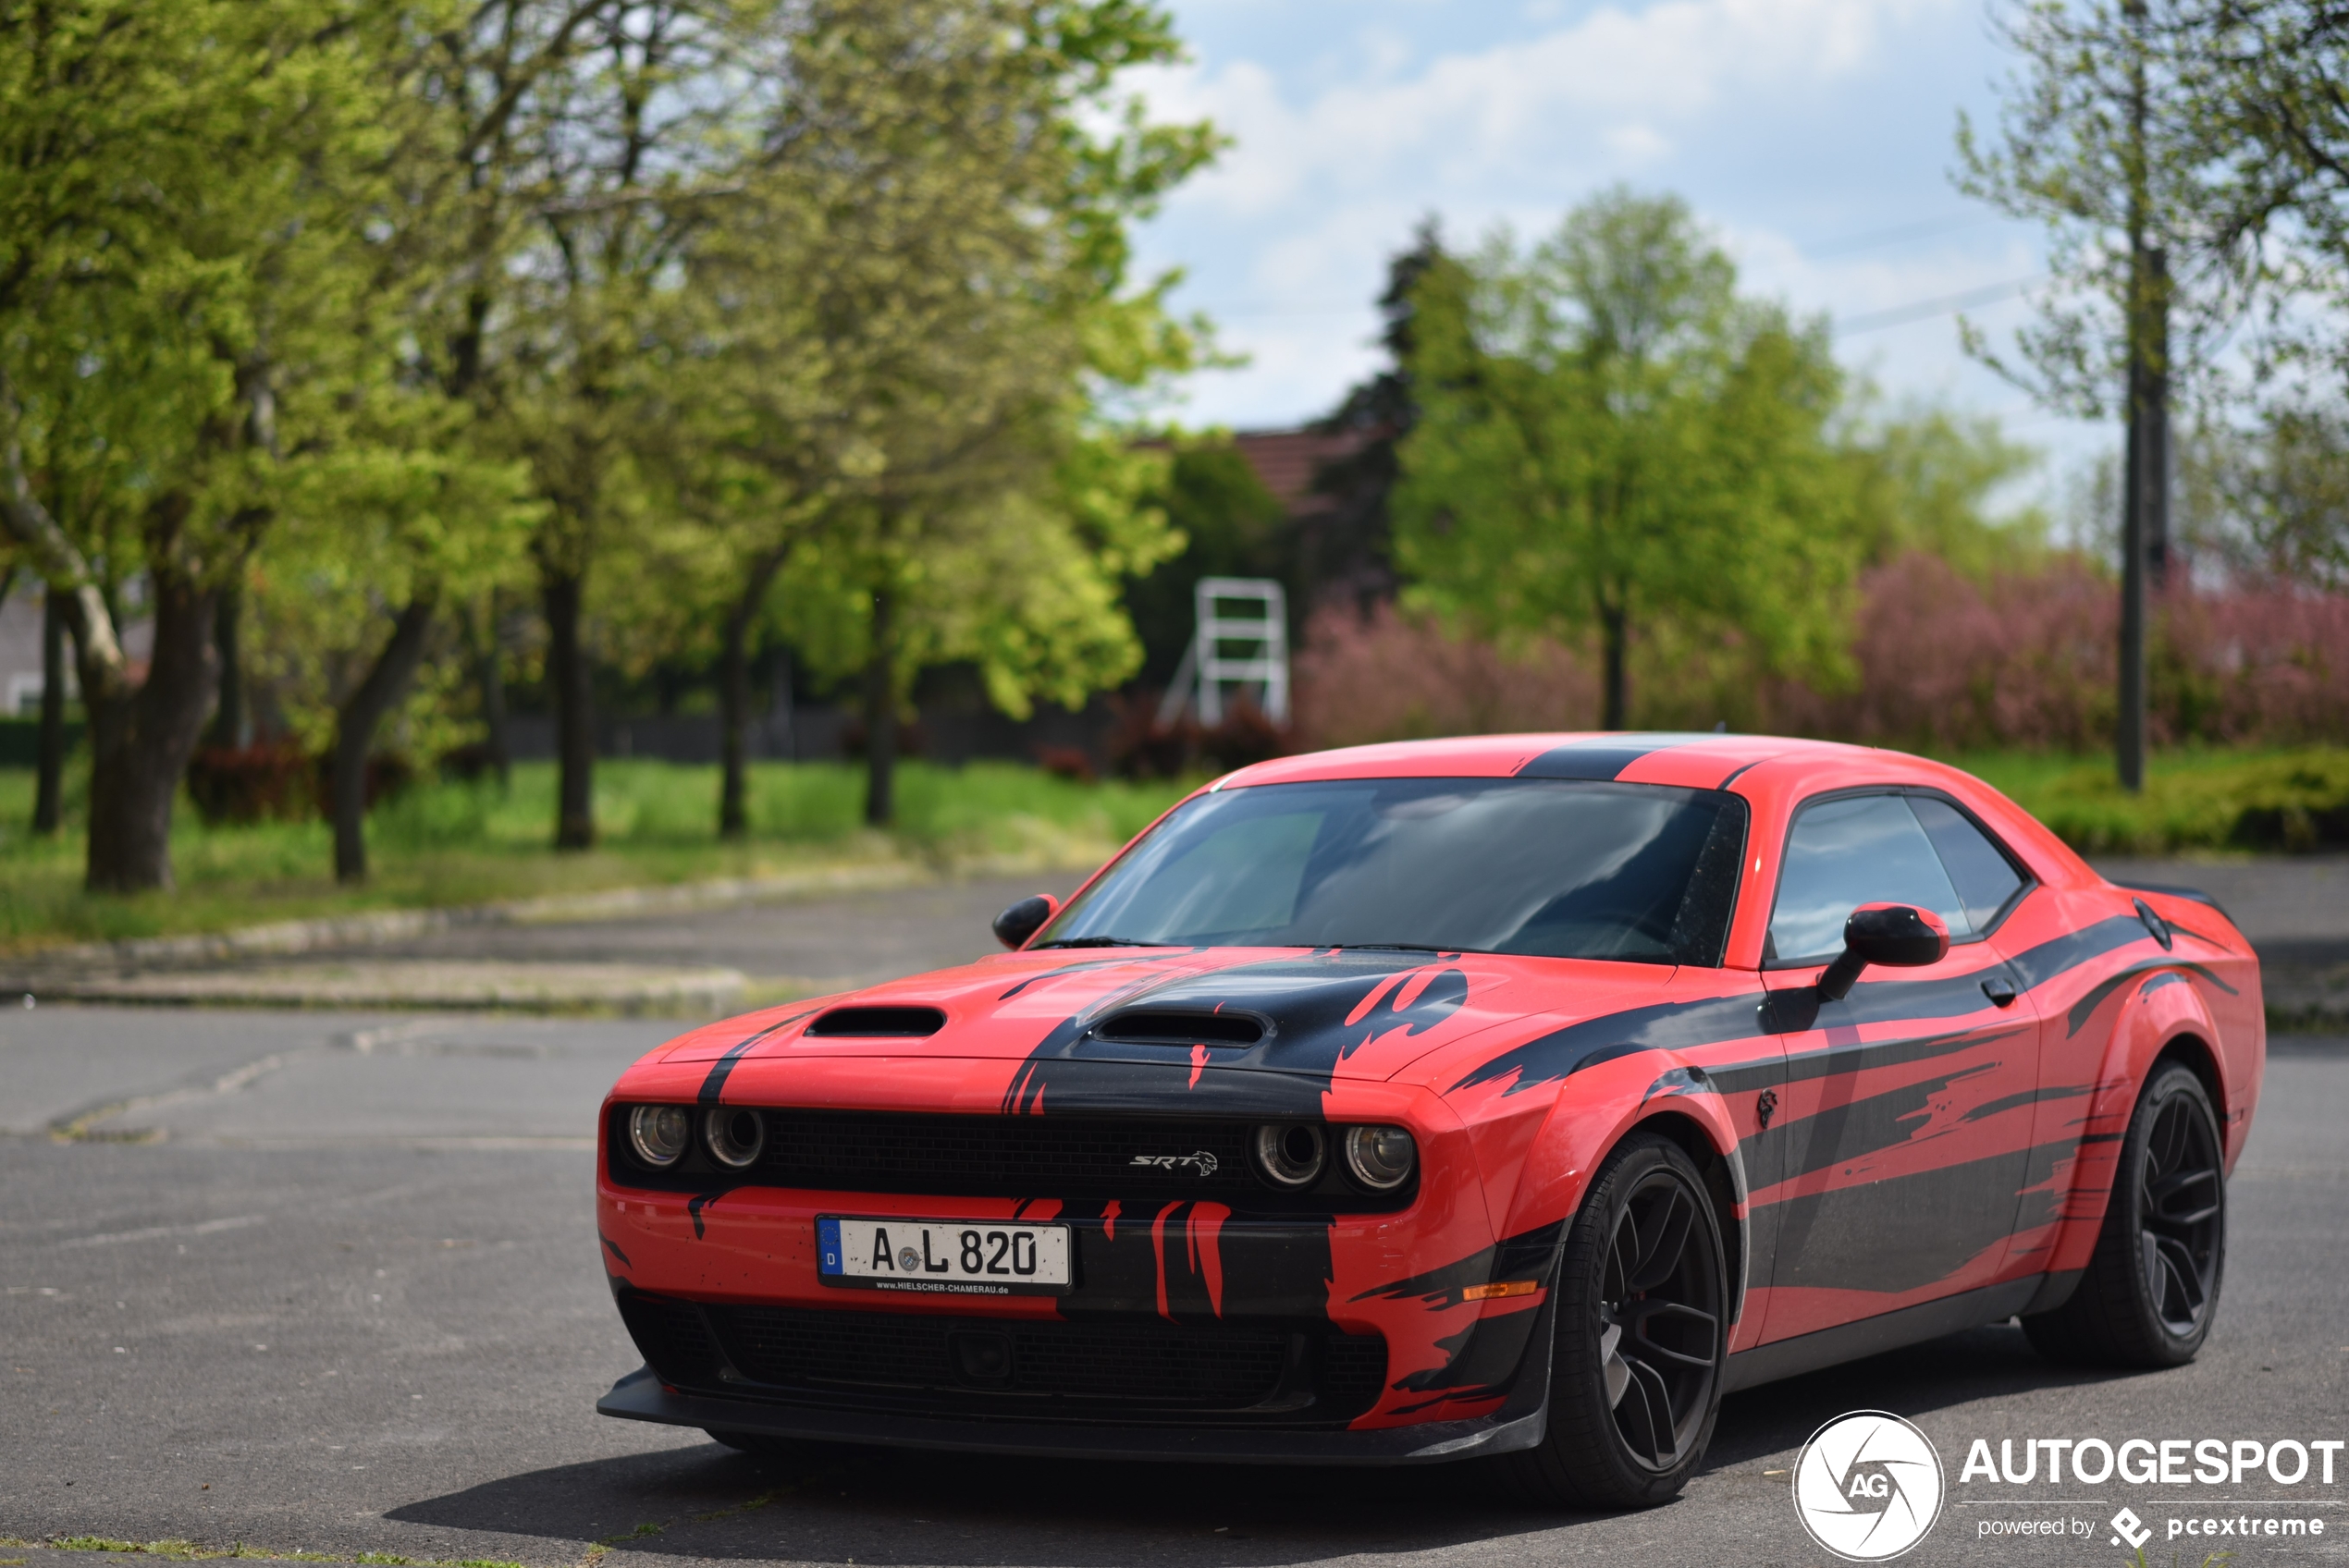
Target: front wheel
x: 2152, y: 1285
x: 1642, y: 1327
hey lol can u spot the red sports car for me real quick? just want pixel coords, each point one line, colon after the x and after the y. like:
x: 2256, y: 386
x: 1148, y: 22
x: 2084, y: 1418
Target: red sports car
x: 1512, y: 1096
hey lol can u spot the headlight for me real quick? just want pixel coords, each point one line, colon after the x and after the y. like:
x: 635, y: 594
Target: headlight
x: 1291, y: 1154
x: 658, y: 1133
x: 734, y: 1137
x: 1380, y: 1157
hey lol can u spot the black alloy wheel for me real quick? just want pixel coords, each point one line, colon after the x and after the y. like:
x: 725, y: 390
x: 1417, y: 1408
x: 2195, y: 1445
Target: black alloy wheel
x: 1642, y: 1327
x: 2151, y: 1288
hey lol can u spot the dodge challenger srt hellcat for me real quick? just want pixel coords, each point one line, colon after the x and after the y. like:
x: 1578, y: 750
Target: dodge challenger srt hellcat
x: 1510, y: 1098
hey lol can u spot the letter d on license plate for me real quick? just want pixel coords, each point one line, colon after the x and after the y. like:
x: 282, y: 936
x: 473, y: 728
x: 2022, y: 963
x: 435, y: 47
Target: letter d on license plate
x: 972, y: 1258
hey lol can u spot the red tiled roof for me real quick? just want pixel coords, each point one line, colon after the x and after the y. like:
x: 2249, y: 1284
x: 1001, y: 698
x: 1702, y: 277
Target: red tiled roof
x: 1287, y: 461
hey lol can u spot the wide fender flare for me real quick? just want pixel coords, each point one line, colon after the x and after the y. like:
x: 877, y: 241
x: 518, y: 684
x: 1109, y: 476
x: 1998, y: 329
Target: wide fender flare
x: 2161, y: 1006
x: 1595, y: 1108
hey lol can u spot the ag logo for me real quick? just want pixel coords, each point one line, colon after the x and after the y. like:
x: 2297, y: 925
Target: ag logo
x: 1868, y: 1486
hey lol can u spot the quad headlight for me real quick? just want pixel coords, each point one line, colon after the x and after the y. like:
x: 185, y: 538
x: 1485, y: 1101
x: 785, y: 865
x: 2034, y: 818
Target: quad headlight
x: 1379, y: 1158
x: 1291, y: 1154
x: 658, y: 1133
x: 735, y: 1137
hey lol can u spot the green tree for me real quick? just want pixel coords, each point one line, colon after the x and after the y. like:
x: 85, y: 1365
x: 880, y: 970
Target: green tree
x: 1928, y: 478
x: 896, y: 319
x: 185, y: 204
x: 1609, y: 438
x: 2115, y: 137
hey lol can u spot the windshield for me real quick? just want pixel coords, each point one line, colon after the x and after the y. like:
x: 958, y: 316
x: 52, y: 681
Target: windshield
x: 1551, y: 868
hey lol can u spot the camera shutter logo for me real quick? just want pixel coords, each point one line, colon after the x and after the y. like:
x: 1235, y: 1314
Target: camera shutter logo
x: 1868, y: 1486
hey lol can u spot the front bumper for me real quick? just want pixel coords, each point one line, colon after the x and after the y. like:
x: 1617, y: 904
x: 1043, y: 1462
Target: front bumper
x: 640, y: 1397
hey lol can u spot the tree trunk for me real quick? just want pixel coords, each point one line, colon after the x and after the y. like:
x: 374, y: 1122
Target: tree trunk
x: 880, y: 718
x: 48, y: 793
x: 355, y: 724
x: 1614, y: 696
x: 489, y: 663
x: 140, y: 741
x: 733, y: 694
x: 230, y: 724
x: 565, y: 593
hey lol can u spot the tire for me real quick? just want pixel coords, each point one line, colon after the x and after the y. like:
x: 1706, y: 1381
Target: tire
x: 2151, y: 1287
x: 1642, y: 1324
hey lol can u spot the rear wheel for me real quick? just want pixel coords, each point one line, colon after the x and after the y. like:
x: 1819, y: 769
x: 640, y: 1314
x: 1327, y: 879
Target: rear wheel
x: 1643, y: 1322
x: 2151, y: 1287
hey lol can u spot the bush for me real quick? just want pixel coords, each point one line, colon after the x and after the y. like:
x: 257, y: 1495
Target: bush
x: 268, y: 781
x: 1946, y: 664
x: 2296, y: 800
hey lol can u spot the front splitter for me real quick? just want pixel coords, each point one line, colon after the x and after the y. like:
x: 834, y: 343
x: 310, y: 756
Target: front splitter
x: 640, y: 1397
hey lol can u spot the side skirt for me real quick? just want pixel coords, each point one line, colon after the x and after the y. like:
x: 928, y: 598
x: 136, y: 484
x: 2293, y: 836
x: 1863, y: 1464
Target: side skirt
x: 1873, y: 1336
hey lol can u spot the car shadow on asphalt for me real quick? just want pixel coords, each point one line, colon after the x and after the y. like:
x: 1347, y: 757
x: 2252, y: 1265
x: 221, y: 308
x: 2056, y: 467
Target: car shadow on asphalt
x: 872, y: 1505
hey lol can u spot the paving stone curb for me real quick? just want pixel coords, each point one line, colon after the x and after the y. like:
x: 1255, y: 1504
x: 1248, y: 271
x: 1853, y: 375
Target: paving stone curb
x: 289, y: 938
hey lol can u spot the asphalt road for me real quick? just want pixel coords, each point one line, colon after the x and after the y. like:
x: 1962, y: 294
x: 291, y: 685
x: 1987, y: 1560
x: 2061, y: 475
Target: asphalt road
x: 329, y: 1283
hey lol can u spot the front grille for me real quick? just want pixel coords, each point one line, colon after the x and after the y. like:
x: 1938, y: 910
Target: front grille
x: 1031, y: 1370
x: 1082, y: 1158
x: 1007, y: 1156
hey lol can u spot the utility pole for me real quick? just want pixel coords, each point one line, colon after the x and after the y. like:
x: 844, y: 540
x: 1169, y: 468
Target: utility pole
x: 2144, y: 518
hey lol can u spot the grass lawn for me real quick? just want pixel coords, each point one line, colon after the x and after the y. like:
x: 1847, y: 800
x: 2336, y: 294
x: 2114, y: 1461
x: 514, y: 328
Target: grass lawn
x: 441, y: 844
x: 2193, y: 800
x: 460, y: 843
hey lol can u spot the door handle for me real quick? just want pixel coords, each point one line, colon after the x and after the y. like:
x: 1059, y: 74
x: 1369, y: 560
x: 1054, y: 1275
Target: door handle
x: 2000, y: 989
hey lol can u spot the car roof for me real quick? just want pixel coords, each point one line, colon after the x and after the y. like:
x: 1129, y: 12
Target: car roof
x: 1774, y: 771
x: 1704, y: 760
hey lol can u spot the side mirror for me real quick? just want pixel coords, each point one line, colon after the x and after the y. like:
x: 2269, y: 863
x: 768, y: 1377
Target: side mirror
x: 1896, y: 935
x: 1024, y: 919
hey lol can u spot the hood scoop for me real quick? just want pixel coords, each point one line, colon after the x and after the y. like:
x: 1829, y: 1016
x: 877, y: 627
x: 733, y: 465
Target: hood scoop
x: 1182, y: 1026
x: 877, y: 1023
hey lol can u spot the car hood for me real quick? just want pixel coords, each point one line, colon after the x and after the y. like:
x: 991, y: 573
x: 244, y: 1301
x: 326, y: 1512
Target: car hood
x: 1362, y: 1014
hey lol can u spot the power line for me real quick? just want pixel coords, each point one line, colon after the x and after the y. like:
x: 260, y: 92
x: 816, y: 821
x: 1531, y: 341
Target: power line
x: 1947, y: 304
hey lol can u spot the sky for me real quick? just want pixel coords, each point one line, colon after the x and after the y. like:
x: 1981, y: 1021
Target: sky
x: 1814, y: 138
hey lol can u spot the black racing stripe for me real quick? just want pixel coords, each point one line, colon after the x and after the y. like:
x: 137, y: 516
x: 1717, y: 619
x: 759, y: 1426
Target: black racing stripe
x: 615, y: 1250
x: 1561, y: 1053
x: 1741, y: 772
x: 700, y: 1201
x: 1834, y: 1133
x: 1829, y: 1061
x: 720, y: 1070
x: 1525, y: 1256
x: 1901, y: 1234
x: 1042, y: 976
x: 1989, y: 1108
x: 1557, y: 1055
x: 2083, y: 1010
x: 1599, y: 759
x: 2053, y: 957
x: 2166, y: 978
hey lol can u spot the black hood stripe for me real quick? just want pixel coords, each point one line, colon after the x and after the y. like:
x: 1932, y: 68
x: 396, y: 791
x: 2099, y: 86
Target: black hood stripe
x: 714, y: 1086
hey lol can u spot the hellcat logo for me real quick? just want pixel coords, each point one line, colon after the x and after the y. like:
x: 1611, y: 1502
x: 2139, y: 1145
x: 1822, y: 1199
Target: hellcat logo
x: 1868, y: 1486
x: 1203, y: 1162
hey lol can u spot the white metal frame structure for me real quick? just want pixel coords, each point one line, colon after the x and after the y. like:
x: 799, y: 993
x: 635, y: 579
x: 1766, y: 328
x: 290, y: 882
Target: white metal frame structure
x: 1260, y: 638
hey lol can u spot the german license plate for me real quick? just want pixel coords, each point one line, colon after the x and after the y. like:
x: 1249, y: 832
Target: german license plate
x: 970, y: 1258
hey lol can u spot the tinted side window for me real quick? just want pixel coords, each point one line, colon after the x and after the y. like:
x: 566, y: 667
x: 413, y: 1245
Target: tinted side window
x: 1843, y: 854
x: 1984, y: 878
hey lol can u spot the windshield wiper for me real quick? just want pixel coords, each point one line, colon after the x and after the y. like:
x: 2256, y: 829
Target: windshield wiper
x: 1100, y: 942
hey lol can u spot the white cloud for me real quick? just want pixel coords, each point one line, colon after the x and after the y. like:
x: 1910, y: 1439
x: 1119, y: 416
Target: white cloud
x: 1793, y: 127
